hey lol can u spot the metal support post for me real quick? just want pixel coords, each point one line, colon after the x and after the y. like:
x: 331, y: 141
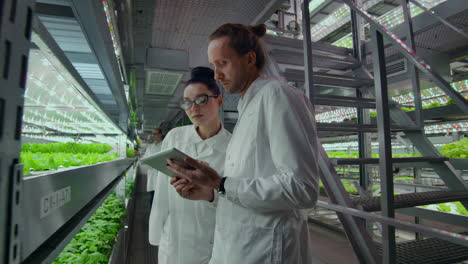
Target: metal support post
x: 365, y: 151
x: 364, y: 140
x: 15, y: 35
x: 357, y: 27
x: 417, y: 179
x: 385, y: 146
x: 308, y: 68
x: 413, y: 71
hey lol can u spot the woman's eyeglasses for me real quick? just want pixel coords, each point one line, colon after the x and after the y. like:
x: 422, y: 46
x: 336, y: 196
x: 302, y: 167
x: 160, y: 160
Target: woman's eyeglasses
x: 200, y: 100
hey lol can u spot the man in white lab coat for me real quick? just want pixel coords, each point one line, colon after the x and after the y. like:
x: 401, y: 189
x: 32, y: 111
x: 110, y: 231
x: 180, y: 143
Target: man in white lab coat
x: 153, y: 148
x: 271, y: 174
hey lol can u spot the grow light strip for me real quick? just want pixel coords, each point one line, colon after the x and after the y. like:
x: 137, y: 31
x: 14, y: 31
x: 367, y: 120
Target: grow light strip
x: 110, y: 24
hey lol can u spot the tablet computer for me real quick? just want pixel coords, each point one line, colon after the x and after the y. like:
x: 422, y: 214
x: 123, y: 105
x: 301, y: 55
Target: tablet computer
x: 159, y: 160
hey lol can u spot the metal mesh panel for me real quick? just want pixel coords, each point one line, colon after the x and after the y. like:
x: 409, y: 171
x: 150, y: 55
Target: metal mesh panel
x: 430, y: 251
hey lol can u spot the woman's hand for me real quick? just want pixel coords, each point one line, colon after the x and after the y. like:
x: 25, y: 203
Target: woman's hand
x: 200, y: 173
x: 192, y: 191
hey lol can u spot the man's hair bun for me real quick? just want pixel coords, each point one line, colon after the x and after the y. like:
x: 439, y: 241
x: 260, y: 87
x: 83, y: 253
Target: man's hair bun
x: 259, y: 30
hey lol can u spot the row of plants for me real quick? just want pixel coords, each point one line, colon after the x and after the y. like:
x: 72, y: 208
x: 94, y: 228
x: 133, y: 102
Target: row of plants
x: 457, y: 149
x: 69, y: 147
x: 452, y: 207
x: 94, y: 242
x: 52, y: 161
x: 410, y: 109
x: 52, y: 156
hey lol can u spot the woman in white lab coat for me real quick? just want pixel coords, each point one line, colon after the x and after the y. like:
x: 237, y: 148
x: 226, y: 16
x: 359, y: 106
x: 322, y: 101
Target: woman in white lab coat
x: 184, y: 229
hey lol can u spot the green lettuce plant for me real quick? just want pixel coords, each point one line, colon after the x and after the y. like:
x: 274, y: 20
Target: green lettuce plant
x: 457, y: 149
x: 94, y: 242
x: 51, y: 156
x: 66, y: 147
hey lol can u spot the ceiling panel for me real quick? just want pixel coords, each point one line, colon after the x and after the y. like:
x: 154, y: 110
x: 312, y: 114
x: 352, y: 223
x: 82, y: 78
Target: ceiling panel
x: 185, y: 25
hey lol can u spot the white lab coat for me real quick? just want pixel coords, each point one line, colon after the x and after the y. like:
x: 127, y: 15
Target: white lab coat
x: 151, y: 173
x: 184, y: 229
x: 271, y: 165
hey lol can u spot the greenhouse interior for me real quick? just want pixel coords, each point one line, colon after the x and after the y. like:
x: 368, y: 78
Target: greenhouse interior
x: 85, y: 83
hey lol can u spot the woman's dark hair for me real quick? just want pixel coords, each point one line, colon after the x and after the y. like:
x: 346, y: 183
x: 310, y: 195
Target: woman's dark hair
x: 243, y: 38
x: 204, y: 75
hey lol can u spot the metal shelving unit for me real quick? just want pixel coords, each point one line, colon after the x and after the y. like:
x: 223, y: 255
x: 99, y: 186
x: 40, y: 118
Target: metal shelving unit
x: 59, y: 204
x: 48, y: 95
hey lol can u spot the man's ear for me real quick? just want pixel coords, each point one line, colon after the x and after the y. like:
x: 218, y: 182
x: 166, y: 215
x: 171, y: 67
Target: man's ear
x: 220, y: 100
x: 251, y: 58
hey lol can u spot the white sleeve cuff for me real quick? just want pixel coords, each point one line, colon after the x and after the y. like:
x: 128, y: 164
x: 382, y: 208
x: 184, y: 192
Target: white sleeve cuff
x: 231, y: 185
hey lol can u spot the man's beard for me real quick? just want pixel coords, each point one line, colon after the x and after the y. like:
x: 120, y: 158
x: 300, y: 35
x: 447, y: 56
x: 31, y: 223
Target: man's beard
x: 239, y: 85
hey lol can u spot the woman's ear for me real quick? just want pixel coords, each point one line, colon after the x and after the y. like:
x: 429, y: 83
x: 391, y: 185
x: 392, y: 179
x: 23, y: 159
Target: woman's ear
x: 220, y: 100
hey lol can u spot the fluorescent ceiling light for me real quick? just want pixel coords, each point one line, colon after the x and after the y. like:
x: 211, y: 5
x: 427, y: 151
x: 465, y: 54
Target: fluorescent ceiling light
x: 55, y: 100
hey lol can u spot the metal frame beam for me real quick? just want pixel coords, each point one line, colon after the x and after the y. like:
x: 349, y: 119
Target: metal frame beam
x: 307, y: 46
x: 15, y: 37
x: 54, y: 10
x: 413, y: 71
x: 355, y: 228
x: 445, y: 170
x: 453, y: 219
x: 90, y: 14
x: 385, y: 146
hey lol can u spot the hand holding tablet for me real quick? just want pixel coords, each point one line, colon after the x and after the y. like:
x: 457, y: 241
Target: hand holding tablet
x: 158, y: 160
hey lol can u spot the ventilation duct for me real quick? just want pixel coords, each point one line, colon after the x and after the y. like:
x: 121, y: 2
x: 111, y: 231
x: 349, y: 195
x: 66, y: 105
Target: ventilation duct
x: 396, y: 67
x: 161, y: 82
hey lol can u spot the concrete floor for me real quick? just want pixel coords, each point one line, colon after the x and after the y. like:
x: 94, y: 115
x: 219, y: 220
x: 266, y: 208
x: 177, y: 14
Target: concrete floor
x: 140, y: 251
x: 330, y: 247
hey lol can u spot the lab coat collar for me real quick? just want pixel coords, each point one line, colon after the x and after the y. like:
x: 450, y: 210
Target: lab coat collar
x: 217, y: 141
x: 253, y: 89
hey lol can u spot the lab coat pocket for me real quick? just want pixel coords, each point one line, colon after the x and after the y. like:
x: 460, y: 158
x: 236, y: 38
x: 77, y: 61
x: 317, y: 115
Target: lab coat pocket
x: 252, y: 244
x: 166, y: 233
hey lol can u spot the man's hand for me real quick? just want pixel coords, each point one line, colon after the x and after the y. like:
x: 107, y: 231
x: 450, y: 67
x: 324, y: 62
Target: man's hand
x: 202, y: 175
x: 192, y: 191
